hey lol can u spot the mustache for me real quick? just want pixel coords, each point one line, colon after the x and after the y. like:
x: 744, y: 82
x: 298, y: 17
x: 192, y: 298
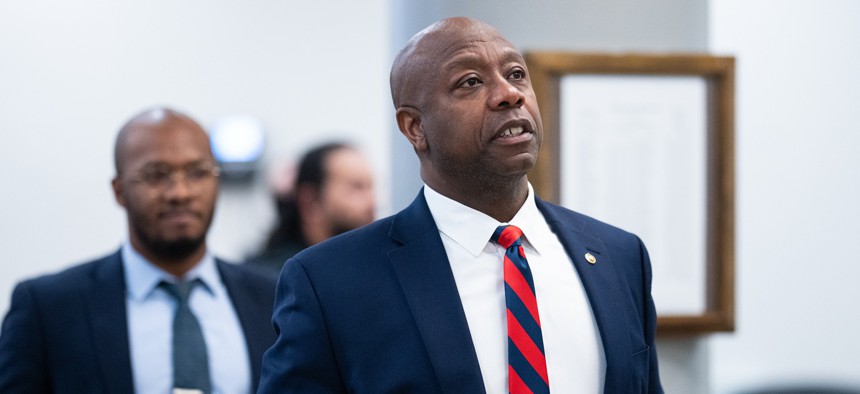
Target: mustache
x: 176, y: 211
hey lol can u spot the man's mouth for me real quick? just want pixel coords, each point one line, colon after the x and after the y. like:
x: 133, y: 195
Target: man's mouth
x: 512, y: 131
x: 515, y: 130
x: 178, y: 215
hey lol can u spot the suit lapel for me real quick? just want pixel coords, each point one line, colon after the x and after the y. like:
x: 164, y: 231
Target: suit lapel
x: 602, y: 285
x: 251, y: 310
x: 106, y: 313
x: 425, y: 276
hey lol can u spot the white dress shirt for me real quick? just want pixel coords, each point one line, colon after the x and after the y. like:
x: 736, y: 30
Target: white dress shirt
x: 150, y: 311
x: 574, y: 352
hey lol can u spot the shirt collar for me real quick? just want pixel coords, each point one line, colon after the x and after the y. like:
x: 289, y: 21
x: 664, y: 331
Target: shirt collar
x: 473, y: 229
x: 142, y: 277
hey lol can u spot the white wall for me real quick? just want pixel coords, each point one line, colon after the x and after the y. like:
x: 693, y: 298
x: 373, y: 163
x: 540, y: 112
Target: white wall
x: 72, y: 72
x: 798, y: 192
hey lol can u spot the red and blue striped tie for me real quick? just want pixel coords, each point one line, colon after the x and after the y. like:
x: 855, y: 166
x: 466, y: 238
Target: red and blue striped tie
x: 526, y: 356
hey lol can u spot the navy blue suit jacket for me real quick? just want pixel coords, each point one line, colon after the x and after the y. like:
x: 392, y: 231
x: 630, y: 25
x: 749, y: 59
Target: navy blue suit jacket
x: 68, y: 333
x: 376, y: 310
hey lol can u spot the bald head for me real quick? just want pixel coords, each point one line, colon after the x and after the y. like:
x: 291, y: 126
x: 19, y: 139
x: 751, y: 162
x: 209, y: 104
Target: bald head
x: 464, y: 100
x: 167, y: 182
x: 419, y: 60
x: 148, y: 121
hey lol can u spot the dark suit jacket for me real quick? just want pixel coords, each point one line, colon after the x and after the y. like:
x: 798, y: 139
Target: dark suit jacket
x: 67, y: 332
x: 376, y: 310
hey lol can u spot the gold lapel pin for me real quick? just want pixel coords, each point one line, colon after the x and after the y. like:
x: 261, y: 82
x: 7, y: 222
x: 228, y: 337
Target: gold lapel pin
x: 590, y: 258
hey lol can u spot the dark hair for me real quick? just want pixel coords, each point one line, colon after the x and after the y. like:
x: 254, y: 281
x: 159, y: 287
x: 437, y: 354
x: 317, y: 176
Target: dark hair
x: 312, y: 172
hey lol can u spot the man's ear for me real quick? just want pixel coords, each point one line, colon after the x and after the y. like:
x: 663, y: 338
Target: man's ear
x: 409, y: 122
x: 116, y: 185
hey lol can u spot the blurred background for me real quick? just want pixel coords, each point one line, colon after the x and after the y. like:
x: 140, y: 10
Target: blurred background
x: 72, y: 72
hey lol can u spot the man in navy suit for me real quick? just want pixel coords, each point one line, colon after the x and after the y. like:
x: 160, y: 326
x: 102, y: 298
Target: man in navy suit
x: 107, y: 326
x: 419, y: 303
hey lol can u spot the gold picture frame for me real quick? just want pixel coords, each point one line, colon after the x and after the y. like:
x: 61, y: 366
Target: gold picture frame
x: 716, y: 76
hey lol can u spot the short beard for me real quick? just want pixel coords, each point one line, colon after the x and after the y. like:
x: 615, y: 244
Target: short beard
x: 341, y: 227
x: 170, y: 250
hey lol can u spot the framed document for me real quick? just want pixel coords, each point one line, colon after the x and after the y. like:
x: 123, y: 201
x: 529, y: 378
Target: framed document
x: 646, y: 143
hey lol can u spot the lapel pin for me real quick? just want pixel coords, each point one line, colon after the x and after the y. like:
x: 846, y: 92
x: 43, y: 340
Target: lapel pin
x: 590, y: 258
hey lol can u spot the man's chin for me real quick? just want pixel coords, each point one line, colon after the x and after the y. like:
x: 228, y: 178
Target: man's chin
x: 176, y: 249
x: 340, y: 228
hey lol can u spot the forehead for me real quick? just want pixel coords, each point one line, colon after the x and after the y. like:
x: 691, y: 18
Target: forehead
x: 469, y: 45
x: 479, y: 55
x: 173, y: 143
x: 346, y: 162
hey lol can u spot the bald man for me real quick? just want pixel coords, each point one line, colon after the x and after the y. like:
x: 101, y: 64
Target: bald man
x: 122, y: 323
x: 479, y: 285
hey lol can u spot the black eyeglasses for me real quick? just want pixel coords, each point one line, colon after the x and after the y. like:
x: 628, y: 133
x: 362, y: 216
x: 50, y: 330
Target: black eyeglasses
x: 162, y: 176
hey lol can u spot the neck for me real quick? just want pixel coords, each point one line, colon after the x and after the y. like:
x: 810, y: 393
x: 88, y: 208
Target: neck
x: 314, y: 234
x: 501, y: 201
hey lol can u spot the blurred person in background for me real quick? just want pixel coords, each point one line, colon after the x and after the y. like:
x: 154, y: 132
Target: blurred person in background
x: 161, y: 313
x: 332, y: 194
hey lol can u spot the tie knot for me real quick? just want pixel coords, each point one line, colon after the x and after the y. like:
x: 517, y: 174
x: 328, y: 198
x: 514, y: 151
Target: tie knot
x: 180, y: 290
x: 507, y: 235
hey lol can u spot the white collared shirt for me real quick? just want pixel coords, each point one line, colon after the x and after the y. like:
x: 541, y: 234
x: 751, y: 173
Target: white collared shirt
x: 574, y: 351
x: 150, y: 311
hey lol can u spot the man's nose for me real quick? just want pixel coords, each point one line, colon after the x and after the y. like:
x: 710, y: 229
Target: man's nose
x: 506, y: 95
x: 180, y: 186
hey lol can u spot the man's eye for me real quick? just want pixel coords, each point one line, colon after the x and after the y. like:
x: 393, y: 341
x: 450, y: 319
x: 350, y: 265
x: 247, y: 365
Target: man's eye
x: 518, y: 74
x: 156, y: 176
x: 197, y: 173
x: 470, y: 82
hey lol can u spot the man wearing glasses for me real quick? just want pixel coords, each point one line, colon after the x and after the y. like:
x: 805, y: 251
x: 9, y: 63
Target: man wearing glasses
x: 159, y: 315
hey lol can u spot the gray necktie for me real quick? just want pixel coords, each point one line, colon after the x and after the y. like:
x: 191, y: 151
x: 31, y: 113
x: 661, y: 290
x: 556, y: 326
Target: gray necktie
x: 190, y: 358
